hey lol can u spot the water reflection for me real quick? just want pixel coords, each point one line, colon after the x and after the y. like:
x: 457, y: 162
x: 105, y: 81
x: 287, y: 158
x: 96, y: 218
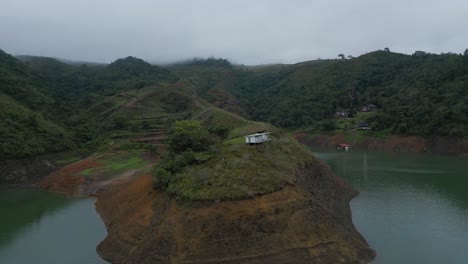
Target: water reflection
x: 23, y: 207
x: 445, y: 175
x: 41, y: 227
x: 412, y: 208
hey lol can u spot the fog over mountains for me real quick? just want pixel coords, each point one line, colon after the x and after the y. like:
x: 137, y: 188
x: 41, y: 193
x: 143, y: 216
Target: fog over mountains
x: 245, y: 32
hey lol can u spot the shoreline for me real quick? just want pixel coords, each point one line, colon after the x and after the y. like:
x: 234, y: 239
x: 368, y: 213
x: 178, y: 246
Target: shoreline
x: 133, y: 212
x: 447, y: 146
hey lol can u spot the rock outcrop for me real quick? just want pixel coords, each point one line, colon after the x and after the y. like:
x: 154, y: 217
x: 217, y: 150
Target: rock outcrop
x: 309, y: 222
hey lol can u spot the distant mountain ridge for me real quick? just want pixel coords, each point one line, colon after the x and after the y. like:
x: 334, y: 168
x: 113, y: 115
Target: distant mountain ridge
x: 49, y: 105
x: 421, y: 94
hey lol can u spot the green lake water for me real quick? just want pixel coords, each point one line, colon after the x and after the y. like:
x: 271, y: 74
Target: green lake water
x: 412, y: 208
x: 40, y: 227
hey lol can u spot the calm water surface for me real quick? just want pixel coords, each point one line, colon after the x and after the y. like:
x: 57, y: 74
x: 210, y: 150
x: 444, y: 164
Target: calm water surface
x: 41, y: 227
x: 412, y: 208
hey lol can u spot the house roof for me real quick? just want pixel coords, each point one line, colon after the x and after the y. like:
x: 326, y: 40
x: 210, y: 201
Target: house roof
x: 257, y: 134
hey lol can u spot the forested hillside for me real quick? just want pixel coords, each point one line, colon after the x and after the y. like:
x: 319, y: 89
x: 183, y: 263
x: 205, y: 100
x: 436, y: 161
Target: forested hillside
x: 48, y: 105
x: 420, y: 94
x: 26, y: 110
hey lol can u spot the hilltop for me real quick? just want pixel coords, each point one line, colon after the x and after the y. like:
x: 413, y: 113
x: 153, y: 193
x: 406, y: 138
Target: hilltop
x: 421, y: 94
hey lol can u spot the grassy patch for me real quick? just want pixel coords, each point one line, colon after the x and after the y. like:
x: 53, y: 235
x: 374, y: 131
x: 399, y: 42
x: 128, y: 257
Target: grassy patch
x: 115, y: 163
x: 350, y: 123
x: 124, y: 163
x: 234, y: 141
x: 236, y: 171
x: 218, y: 117
x: 88, y: 171
x: 66, y: 158
x: 345, y: 123
x: 251, y: 128
x: 237, y: 125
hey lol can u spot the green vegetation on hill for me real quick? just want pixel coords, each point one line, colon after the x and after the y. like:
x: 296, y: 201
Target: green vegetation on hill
x: 212, y: 79
x: 26, y: 133
x: 27, y: 126
x: 48, y: 105
x: 420, y: 94
x: 235, y: 171
x: 114, y: 163
x: 199, y: 167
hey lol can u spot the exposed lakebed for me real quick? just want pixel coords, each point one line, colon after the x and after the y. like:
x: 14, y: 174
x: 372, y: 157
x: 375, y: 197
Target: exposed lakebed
x: 412, y: 208
x: 42, y: 227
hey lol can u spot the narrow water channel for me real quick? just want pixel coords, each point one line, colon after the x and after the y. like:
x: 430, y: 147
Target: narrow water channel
x: 41, y: 227
x: 412, y: 208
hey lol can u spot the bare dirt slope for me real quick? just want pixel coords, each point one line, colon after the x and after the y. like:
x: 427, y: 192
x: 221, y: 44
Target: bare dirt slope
x: 309, y: 222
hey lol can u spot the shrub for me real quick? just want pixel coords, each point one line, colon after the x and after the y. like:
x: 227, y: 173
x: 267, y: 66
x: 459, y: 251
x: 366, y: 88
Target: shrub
x: 171, y: 165
x: 221, y: 131
x: 187, y: 134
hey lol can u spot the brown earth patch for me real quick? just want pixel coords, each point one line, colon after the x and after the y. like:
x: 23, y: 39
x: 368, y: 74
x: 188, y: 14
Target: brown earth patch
x: 306, y: 223
x: 69, y: 180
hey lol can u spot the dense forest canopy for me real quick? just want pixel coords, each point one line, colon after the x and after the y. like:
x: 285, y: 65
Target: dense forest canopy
x: 421, y: 94
x: 212, y: 62
x: 48, y: 105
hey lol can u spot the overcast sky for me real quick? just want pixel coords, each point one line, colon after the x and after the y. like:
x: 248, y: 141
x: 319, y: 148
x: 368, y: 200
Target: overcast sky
x: 244, y: 31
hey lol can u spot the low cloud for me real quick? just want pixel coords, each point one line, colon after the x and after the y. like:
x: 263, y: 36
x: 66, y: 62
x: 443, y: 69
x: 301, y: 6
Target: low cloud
x: 248, y: 32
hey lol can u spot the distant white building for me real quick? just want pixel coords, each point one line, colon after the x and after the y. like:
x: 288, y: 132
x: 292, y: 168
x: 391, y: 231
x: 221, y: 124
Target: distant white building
x: 257, y: 138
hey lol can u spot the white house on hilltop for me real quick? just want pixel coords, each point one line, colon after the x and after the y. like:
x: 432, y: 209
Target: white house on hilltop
x: 257, y: 138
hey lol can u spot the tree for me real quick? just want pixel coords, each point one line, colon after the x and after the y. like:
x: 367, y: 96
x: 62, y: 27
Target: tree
x: 342, y: 56
x: 352, y: 112
x: 387, y: 49
x: 327, y: 125
x: 420, y: 53
x: 220, y: 131
x: 188, y: 134
x: 465, y: 53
